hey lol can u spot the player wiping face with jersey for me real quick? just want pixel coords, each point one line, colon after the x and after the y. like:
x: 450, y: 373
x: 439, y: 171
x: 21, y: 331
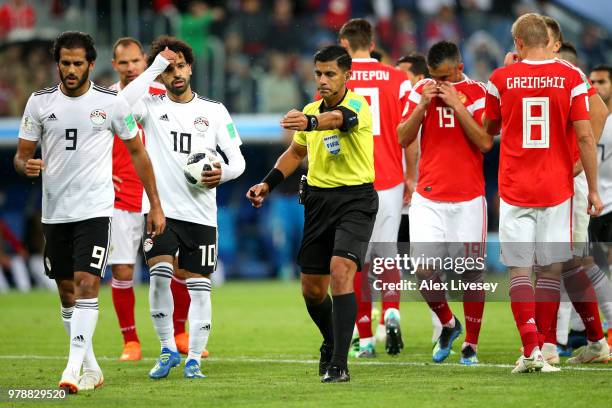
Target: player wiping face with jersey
x: 176, y: 124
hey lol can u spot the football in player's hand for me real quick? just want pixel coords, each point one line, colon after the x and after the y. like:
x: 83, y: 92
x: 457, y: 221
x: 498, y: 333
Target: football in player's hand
x: 197, y: 162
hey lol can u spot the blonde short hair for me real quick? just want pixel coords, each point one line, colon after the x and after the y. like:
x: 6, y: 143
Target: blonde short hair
x: 531, y: 29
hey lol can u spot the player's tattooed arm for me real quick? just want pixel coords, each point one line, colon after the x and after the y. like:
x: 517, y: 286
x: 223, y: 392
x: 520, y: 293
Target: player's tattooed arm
x: 472, y: 129
x: 24, y: 161
x: 156, y: 221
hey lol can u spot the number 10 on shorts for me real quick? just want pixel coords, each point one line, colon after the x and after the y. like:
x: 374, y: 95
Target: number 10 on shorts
x: 209, y: 255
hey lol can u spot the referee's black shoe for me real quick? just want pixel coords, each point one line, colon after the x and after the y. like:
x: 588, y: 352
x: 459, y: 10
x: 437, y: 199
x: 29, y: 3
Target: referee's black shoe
x: 326, y: 356
x: 336, y: 374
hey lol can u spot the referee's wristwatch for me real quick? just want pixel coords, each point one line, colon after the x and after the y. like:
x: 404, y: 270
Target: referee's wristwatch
x: 311, y: 122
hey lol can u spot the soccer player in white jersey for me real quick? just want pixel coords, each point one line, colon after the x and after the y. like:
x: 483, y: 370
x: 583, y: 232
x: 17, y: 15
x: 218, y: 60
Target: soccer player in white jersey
x: 176, y: 124
x: 75, y: 122
x: 600, y: 227
x: 576, y: 284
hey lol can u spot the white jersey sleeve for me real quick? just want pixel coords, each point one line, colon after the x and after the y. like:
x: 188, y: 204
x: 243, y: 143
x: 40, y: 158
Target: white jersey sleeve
x: 123, y: 123
x: 229, y: 142
x: 31, y: 126
x: 139, y: 87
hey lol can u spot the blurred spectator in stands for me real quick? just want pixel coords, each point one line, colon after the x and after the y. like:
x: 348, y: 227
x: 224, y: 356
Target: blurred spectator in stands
x: 16, y: 16
x: 404, y: 39
x: 383, y: 10
x: 239, y: 81
x: 481, y: 55
x: 251, y: 24
x: 283, y: 33
x: 306, y: 82
x: 334, y: 13
x: 14, y: 261
x: 442, y: 27
x: 195, y: 25
x: 592, y: 46
x: 278, y: 88
x: 475, y: 14
x: 431, y: 7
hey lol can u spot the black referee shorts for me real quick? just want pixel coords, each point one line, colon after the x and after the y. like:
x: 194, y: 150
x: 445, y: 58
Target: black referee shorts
x: 600, y: 228
x: 337, y: 222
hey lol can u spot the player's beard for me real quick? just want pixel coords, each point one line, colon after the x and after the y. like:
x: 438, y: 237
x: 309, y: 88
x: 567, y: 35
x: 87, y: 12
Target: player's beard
x: 180, y: 90
x: 80, y: 81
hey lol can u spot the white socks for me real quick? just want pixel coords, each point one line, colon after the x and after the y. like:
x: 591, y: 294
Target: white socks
x: 200, y: 313
x: 161, y: 303
x: 80, y: 323
x: 603, y: 290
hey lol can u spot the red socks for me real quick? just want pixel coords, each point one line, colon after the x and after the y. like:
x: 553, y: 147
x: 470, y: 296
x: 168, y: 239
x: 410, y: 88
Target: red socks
x: 180, y: 294
x: 522, y: 300
x: 124, y: 301
x: 547, y: 297
x: 436, y: 299
x: 473, y: 309
x: 582, y: 294
x: 364, y: 303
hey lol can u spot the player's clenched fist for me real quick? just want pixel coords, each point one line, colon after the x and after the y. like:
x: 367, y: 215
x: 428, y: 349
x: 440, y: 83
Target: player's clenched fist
x: 33, y: 167
x: 257, y: 194
x: 294, y: 120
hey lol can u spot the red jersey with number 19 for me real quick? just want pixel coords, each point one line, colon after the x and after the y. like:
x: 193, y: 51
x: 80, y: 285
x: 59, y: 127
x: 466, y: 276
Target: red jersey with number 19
x: 386, y: 89
x: 450, y: 168
x: 536, y: 102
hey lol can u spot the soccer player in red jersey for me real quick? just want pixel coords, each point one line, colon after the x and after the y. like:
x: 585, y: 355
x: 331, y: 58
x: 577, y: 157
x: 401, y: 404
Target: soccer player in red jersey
x: 533, y: 102
x: 129, y: 61
x: 385, y: 88
x: 449, y: 204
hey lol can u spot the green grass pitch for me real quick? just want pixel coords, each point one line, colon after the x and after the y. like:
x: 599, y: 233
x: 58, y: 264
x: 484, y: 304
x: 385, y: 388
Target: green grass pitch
x: 264, y: 352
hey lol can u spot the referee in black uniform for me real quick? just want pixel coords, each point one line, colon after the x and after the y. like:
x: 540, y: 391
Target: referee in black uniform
x: 339, y: 198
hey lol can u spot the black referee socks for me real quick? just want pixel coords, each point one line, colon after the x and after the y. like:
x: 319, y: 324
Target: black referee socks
x: 321, y: 314
x: 344, y: 315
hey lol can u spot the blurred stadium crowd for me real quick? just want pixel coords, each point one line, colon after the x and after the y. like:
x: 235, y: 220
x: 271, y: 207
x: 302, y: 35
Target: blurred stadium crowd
x: 256, y: 57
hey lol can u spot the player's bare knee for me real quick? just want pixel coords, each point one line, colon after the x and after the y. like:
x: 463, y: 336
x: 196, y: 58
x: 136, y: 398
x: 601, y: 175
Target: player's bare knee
x: 86, y: 285
x: 342, y: 274
x: 314, y: 290
x: 123, y: 272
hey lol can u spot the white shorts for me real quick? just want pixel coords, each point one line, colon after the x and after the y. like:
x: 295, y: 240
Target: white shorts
x: 388, y: 219
x: 580, y: 216
x: 458, y: 223
x: 126, y: 235
x: 535, y: 235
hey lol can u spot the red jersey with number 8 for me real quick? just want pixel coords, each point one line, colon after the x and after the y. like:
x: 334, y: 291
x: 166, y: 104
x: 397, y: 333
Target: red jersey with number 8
x: 386, y: 89
x: 450, y: 167
x: 536, y: 102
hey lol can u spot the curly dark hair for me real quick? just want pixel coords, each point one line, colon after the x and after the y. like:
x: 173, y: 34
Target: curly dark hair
x: 172, y: 43
x: 74, y: 39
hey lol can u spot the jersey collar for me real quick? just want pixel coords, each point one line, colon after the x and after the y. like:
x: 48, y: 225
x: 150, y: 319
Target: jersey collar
x: 323, y: 108
x: 541, y: 62
x: 364, y: 60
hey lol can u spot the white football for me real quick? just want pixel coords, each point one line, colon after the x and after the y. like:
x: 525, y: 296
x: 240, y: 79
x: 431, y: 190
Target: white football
x: 197, y: 162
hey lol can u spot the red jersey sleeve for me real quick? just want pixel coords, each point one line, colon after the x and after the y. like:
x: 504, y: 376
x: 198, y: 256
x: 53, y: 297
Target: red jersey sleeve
x: 477, y: 107
x: 579, y: 109
x: 493, y: 101
x: 413, y: 99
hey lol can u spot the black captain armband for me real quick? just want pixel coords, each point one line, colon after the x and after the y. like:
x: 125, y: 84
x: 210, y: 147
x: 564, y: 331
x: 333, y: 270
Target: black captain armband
x: 311, y: 123
x: 349, y: 118
x: 273, y: 178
